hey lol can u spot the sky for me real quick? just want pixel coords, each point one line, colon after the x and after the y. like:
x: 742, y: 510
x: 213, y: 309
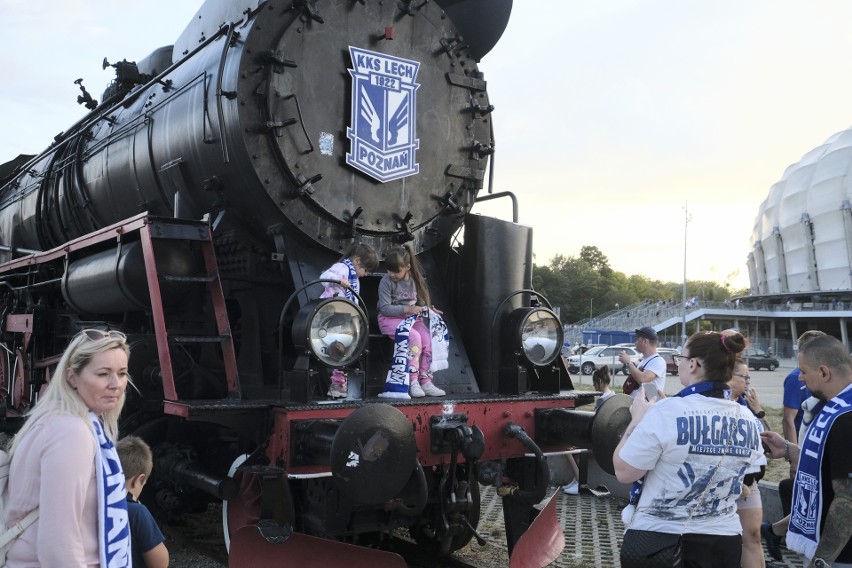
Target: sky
x: 613, y: 118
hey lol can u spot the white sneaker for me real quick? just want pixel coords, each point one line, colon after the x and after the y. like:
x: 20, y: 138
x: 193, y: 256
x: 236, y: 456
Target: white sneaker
x: 431, y: 390
x: 338, y: 390
x: 572, y: 488
x: 415, y: 391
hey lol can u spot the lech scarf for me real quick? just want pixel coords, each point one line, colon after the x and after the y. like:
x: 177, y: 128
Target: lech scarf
x: 354, y: 284
x: 113, y: 525
x: 397, y: 381
x: 808, y: 494
x: 440, y: 342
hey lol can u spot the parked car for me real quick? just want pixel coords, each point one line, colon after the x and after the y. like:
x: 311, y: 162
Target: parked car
x: 666, y: 354
x: 758, y: 359
x: 597, y: 357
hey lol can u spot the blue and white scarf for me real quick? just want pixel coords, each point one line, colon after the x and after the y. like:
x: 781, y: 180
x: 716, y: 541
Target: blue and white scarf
x: 354, y: 283
x: 113, y: 524
x: 440, y: 343
x: 806, y: 517
x: 397, y: 381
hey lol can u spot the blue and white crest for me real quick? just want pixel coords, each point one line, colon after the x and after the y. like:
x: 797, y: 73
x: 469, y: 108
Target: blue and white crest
x: 382, y: 130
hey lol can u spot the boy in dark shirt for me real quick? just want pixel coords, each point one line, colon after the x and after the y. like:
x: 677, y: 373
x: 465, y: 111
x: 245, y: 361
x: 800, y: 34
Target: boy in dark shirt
x: 147, y: 541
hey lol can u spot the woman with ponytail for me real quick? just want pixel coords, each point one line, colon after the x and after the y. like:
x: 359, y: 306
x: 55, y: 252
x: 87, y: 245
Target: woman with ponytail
x: 686, y: 455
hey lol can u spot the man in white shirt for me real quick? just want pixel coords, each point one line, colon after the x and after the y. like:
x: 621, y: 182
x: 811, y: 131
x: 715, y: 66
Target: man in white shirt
x: 652, y: 368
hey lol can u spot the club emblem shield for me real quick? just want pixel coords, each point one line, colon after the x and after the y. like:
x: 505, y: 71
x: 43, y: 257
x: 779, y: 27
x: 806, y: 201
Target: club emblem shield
x: 382, y: 125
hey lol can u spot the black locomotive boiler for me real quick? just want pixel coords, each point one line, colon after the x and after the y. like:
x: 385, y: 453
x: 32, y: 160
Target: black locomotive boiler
x: 195, y: 205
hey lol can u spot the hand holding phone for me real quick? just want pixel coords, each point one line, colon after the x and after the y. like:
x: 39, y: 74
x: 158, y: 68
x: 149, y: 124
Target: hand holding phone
x: 650, y: 391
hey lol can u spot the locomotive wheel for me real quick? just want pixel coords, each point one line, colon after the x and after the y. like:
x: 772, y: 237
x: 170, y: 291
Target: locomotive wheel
x: 244, y: 509
x: 426, y: 535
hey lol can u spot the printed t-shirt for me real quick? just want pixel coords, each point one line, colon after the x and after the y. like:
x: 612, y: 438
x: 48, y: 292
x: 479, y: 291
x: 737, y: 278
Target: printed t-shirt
x: 656, y: 364
x: 696, y: 450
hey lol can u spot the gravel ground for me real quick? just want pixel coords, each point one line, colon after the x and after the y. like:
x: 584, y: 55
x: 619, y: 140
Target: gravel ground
x: 189, y: 535
x: 182, y: 557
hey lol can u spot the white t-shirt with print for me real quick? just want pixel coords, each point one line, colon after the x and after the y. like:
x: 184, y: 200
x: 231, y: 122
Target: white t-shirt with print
x: 656, y: 364
x: 694, y: 471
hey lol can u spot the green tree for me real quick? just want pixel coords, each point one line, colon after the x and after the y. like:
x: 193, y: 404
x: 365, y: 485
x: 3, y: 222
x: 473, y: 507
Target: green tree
x: 576, y: 283
x: 596, y: 260
x: 587, y: 283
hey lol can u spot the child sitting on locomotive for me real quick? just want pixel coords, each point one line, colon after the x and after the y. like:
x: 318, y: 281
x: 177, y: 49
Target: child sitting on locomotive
x: 358, y: 260
x: 403, y: 304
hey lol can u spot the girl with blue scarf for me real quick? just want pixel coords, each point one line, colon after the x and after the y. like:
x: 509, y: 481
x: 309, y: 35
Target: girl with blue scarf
x: 343, y: 279
x: 404, y: 303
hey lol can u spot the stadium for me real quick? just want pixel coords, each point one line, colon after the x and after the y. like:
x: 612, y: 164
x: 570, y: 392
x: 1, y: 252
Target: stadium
x: 800, y: 266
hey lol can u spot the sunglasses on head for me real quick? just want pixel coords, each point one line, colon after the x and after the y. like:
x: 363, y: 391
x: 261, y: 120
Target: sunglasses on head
x: 98, y: 334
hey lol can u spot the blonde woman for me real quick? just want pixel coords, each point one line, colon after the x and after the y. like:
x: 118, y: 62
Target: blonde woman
x: 64, y: 462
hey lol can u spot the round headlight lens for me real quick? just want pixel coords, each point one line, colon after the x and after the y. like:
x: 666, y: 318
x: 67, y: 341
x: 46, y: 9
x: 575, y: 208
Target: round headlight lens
x: 334, y: 330
x: 541, y: 336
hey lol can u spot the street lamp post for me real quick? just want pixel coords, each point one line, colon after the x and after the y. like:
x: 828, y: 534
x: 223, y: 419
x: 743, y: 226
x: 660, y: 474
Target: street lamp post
x: 591, y: 302
x: 685, y: 224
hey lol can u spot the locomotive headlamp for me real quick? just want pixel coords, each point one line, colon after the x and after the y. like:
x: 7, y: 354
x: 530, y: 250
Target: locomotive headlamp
x: 334, y: 331
x: 536, y: 333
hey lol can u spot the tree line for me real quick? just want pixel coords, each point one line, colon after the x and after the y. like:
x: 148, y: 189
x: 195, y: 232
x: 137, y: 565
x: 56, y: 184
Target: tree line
x: 586, y: 283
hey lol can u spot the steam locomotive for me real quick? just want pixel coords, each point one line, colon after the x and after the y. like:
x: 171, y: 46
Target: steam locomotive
x: 195, y: 205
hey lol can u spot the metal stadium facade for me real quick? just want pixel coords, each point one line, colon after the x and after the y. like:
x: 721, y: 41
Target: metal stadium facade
x: 802, y: 238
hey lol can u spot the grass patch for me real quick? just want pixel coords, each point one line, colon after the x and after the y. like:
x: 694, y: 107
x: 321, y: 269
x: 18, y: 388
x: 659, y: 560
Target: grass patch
x: 779, y: 469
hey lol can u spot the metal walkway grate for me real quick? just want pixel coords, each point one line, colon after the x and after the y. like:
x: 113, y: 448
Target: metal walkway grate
x: 592, y: 527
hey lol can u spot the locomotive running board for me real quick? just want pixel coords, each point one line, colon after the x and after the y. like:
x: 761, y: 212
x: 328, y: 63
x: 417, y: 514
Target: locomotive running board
x: 542, y: 542
x: 248, y: 548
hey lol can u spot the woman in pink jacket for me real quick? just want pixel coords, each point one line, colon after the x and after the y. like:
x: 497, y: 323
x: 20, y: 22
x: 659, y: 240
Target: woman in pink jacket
x: 65, y: 464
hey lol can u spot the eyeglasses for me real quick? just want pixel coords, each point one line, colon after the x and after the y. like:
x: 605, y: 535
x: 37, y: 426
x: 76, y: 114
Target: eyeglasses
x: 678, y: 358
x: 98, y: 334
x: 746, y: 377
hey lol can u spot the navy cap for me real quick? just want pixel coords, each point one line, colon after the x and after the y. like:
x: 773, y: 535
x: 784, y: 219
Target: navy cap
x: 647, y: 332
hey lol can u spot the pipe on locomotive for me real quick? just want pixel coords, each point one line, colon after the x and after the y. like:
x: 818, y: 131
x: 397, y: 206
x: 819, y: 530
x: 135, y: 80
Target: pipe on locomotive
x: 180, y: 471
x: 542, y: 479
x: 600, y: 431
